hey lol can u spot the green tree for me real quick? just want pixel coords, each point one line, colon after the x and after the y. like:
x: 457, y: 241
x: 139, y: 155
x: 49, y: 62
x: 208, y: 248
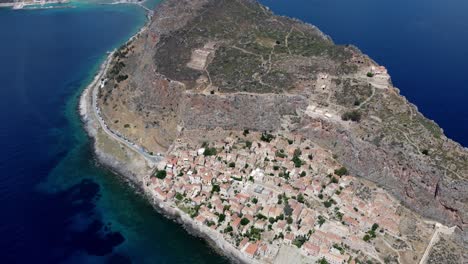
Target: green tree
x: 299, y: 241
x: 353, y: 115
x: 321, y: 220
x: 215, y: 188
x: 210, y: 152
x: 366, y: 237
x: 260, y: 216
x: 161, y: 174
x: 296, y: 158
x: 221, y: 218
x: 267, y: 137
x: 375, y: 226
x: 341, y: 171
x: 322, y: 261
x: 300, y: 198
x: 297, y: 161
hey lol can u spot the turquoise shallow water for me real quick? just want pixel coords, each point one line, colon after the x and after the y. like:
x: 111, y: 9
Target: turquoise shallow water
x: 58, y: 205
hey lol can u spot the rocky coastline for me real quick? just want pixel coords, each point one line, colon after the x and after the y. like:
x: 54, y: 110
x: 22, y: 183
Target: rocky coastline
x: 124, y: 170
x: 134, y: 168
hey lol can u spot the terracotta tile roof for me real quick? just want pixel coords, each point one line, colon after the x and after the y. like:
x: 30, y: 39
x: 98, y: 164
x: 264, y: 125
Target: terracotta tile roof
x: 311, y: 248
x: 251, y: 249
x: 243, y: 242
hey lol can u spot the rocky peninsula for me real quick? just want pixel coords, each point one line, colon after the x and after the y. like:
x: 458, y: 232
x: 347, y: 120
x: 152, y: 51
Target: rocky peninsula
x: 260, y: 134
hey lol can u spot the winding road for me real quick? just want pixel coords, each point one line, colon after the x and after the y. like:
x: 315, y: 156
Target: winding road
x: 95, y: 86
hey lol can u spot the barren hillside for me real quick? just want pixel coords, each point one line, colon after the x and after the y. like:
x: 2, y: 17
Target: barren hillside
x: 233, y: 65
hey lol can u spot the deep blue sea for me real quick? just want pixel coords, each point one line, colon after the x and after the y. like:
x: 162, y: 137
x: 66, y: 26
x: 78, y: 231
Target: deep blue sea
x: 59, y: 206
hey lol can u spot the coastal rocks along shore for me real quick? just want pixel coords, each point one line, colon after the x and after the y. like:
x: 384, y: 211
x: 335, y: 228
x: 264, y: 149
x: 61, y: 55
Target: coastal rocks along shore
x: 124, y: 161
x: 244, y: 68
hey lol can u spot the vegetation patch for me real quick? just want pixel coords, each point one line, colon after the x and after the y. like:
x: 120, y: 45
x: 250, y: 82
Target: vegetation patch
x: 160, y: 174
x: 354, y: 116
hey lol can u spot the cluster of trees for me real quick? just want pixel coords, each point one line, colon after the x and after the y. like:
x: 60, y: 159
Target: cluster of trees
x: 341, y: 171
x: 228, y: 229
x: 160, y: 174
x: 296, y: 158
x: 352, y: 115
x: 221, y: 218
x: 329, y: 203
x: 321, y: 220
x: 118, y: 66
x: 299, y: 241
x: 371, y: 233
x: 261, y: 216
x: 267, y: 137
x: 339, y: 215
x: 122, y: 51
x: 210, y: 152
x: 179, y: 196
x: 254, y: 234
x: 244, y: 221
x: 215, y: 188
x: 322, y: 261
x: 121, y: 78
x: 300, y: 198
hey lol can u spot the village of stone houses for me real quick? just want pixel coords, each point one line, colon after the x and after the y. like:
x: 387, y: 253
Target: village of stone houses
x: 274, y: 196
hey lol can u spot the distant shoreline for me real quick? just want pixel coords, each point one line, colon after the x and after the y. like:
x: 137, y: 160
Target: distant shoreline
x: 33, y: 4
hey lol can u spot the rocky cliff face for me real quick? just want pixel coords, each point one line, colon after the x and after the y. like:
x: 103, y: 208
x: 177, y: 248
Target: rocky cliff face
x: 232, y: 64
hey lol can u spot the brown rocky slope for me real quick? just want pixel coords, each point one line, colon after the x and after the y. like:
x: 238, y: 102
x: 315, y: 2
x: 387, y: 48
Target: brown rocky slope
x: 232, y: 64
